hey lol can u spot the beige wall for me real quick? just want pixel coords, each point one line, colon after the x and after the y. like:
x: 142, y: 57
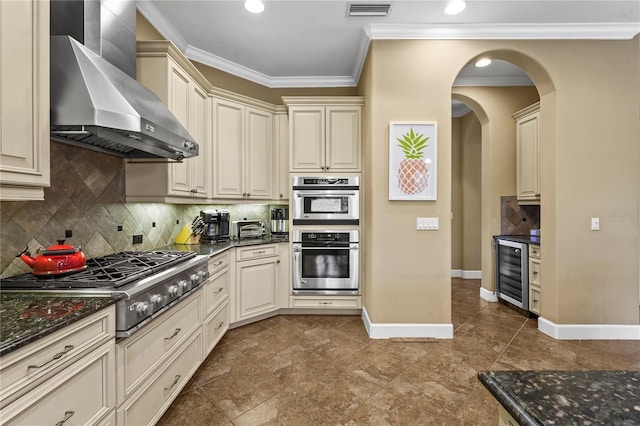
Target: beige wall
x: 590, y: 163
x: 471, y: 192
x: 456, y: 193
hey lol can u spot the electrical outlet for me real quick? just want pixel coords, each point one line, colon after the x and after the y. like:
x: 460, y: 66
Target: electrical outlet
x: 137, y: 239
x: 595, y: 223
x: 68, y: 233
x: 119, y: 227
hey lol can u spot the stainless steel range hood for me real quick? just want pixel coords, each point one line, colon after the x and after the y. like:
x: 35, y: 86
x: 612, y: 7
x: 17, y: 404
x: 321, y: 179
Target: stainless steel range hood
x: 95, y: 104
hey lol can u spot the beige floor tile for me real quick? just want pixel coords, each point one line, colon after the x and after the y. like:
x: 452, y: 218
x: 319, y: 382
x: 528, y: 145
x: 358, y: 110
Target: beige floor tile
x: 193, y: 408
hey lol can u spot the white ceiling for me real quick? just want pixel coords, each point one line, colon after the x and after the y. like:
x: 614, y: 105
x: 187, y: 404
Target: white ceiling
x: 310, y: 43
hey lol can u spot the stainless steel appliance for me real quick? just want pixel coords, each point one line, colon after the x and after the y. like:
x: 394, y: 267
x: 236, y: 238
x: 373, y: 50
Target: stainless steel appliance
x: 216, y: 226
x: 144, y: 284
x: 280, y: 221
x: 512, y: 272
x: 249, y: 229
x: 326, y: 200
x: 325, y: 262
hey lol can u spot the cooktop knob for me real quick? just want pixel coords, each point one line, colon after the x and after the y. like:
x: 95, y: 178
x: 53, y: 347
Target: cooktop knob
x: 184, y: 286
x: 156, y: 299
x: 143, y: 309
x: 194, y: 279
x: 173, y: 291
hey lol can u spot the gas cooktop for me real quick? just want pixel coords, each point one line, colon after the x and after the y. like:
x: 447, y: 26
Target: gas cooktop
x: 111, y: 271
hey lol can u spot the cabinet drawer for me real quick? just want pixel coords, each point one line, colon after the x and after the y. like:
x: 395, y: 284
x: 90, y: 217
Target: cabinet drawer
x: 534, y: 251
x: 333, y: 302
x: 219, y: 262
x: 25, y: 368
x: 84, y: 393
x: 534, y: 272
x: 215, y: 327
x: 256, y: 252
x: 534, y: 300
x: 215, y: 291
x: 148, y: 405
x: 143, y: 352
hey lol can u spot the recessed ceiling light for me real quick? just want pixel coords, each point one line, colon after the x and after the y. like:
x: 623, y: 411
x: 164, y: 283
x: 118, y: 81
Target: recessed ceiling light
x: 455, y: 6
x: 483, y: 62
x: 254, y: 6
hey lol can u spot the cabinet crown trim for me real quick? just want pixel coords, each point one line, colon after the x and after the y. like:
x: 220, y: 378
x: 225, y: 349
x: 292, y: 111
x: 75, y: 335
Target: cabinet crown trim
x: 322, y: 100
x: 526, y: 111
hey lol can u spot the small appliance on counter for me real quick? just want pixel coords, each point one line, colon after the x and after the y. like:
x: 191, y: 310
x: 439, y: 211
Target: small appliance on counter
x: 249, y: 229
x: 280, y: 222
x: 216, y: 226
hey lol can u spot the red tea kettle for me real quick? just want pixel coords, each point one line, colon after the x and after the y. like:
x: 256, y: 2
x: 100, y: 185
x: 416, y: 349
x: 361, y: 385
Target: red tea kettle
x: 55, y: 260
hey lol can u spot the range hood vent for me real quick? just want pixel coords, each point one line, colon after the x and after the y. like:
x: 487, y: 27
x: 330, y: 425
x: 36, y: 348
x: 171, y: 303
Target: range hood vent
x: 368, y: 9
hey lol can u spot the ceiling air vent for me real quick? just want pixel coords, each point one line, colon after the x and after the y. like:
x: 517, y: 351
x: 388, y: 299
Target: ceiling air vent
x: 368, y: 9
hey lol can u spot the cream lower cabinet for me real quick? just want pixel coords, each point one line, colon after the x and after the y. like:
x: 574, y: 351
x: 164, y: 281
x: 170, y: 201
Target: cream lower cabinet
x: 535, y: 287
x: 68, y: 375
x: 176, y: 81
x: 256, y: 276
x: 24, y: 96
x: 325, y: 134
x: 216, y: 302
x: 243, y: 151
x: 528, y: 154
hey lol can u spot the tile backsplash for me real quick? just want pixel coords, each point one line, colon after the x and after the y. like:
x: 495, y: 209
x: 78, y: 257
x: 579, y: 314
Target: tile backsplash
x: 517, y: 219
x: 87, y: 196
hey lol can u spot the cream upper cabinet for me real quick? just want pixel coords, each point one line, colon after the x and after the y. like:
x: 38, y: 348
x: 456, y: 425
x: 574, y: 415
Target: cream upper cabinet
x: 282, y: 183
x: 325, y: 134
x: 166, y: 72
x: 243, y: 150
x: 24, y: 91
x: 528, y: 156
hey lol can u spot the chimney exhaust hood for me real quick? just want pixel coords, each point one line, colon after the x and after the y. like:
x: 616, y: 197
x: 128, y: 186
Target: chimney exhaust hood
x: 95, y: 104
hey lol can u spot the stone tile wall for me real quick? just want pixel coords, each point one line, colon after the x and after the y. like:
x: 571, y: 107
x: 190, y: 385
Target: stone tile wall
x: 517, y: 219
x: 87, y: 196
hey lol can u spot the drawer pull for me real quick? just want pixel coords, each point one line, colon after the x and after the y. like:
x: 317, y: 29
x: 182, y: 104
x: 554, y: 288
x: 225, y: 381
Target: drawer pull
x: 219, y: 326
x: 535, y: 272
x: 218, y: 263
x: 324, y: 303
x: 259, y: 252
x: 67, y: 416
x: 175, y: 381
x: 59, y: 355
x: 175, y: 333
x: 215, y: 293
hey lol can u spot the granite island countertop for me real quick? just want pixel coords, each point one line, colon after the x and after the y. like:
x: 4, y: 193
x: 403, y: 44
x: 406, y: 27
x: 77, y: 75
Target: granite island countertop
x: 217, y: 248
x: 609, y: 398
x: 26, y: 316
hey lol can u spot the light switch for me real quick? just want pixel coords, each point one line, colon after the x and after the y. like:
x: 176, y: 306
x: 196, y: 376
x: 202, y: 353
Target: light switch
x: 595, y: 223
x: 427, y: 224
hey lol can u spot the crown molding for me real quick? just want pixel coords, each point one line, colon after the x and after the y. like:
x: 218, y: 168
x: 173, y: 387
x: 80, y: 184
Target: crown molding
x: 538, y: 31
x: 161, y: 23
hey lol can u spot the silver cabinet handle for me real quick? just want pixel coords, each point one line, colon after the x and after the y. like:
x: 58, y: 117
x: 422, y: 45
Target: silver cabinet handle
x: 218, y: 291
x: 218, y: 263
x: 325, y: 303
x: 259, y: 252
x: 311, y: 194
x: 59, y: 355
x: 67, y: 416
x: 220, y: 324
x: 175, y: 381
x: 175, y: 333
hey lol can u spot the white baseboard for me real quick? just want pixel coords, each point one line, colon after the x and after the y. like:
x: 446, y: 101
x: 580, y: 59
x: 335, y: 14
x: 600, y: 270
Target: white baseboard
x: 456, y: 273
x: 472, y: 275
x: 386, y: 331
x: 589, y: 331
x: 489, y: 296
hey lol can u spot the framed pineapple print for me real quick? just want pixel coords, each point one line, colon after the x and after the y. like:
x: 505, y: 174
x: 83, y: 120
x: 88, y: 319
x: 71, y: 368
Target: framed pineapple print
x: 413, y: 155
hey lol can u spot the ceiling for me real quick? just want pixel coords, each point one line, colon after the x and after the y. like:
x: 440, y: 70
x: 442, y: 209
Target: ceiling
x: 310, y: 43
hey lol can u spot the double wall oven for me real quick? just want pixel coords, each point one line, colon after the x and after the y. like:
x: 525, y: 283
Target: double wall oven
x: 326, y: 258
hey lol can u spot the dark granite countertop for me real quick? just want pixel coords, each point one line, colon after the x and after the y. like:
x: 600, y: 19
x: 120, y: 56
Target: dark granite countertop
x: 567, y: 397
x: 527, y: 239
x: 28, y: 316
x: 217, y: 248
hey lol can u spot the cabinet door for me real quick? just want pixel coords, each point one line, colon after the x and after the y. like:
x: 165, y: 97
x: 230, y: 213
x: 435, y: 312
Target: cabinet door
x: 306, y: 138
x: 24, y: 93
x: 528, y: 176
x: 344, y: 138
x: 228, y: 136
x: 257, y: 287
x: 179, y: 88
x: 259, y: 153
x: 200, y: 130
x: 281, y: 162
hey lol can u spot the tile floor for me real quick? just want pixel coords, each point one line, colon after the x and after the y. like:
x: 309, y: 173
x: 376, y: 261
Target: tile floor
x: 315, y: 370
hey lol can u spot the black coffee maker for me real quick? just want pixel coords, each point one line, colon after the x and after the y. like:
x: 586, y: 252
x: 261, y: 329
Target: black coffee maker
x: 216, y: 226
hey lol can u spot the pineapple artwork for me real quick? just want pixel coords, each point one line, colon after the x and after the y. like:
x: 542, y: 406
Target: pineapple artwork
x: 413, y: 175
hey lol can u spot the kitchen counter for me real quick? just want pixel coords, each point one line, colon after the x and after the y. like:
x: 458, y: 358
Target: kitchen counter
x: 214, y: 249
x: 527, y: 239
x: 567, y: 397
x: 27, y: 316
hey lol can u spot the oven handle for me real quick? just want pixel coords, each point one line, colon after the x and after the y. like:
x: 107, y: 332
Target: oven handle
x: 315, y: 194
x: 299, y: 249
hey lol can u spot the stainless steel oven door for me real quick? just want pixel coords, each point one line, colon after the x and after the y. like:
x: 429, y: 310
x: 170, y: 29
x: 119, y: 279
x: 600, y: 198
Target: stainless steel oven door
x: 319, y: 207
x: 325, y: 270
